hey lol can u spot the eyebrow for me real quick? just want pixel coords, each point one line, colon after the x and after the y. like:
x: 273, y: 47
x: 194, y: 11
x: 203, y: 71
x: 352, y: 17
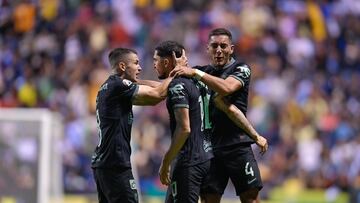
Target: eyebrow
x: 219, y: 43
x: 134, y: 60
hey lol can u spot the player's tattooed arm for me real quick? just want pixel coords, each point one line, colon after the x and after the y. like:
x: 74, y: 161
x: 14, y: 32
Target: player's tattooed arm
x: 238, y: 117
x: 181, y: 133
x: 147, y: 95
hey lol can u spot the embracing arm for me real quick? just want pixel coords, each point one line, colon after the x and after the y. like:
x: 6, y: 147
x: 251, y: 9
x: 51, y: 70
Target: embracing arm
x: 151, y: 83
x: 238, y: 117
x: 181, y: 134
x: 147, y: 95
x: 223, y: 86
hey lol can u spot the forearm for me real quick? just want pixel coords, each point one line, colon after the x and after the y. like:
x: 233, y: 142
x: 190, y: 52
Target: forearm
x: 150, y: 83
x: 151, y: 96
x: 217, y: 84
x: 162, y: 88
x: 237, y: 116
x: 180, y: 137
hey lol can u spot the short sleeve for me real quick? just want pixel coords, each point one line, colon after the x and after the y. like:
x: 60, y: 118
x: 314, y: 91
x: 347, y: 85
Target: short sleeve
x: 242, y: 73
x: 178, y: 95
x: 126, y: 88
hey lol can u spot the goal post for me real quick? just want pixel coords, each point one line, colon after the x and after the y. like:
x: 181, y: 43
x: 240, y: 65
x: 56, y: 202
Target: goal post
x: 30, y: 155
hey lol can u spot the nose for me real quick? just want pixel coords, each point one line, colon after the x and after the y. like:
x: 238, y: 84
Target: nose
x: 139, y: 69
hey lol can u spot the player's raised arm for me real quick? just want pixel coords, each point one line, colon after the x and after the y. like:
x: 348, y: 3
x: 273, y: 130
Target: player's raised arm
x: 147, y: 95
x: 181, y: 133
x: 237, y: 116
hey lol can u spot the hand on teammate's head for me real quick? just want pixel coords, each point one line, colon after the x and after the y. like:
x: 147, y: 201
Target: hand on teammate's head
x: 181, y: 60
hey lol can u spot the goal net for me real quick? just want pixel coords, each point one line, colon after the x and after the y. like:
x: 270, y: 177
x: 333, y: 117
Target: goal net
x: 30, y: 158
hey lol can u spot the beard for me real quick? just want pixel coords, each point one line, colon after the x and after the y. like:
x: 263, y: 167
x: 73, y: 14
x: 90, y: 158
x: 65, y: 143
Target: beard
x: 161, y: 77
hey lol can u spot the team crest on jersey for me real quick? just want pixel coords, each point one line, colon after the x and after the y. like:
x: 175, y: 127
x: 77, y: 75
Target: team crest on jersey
x: 127, y: 82
x: 244, y: 71
x: 178, y: 90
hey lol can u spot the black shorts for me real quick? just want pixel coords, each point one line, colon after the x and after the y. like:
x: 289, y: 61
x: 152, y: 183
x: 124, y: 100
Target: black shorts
x: 187, y: 182
x: 235, y: 163
x: 115, y: 185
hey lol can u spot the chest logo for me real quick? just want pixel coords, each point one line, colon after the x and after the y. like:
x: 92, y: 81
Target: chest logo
x: 244, y: 71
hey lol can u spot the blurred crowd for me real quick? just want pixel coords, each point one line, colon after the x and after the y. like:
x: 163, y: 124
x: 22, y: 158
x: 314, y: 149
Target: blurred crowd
x: 305, y: 89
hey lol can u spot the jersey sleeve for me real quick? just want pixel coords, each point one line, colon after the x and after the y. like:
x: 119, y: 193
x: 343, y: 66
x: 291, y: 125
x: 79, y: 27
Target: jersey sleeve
x: 126, y: 89
x: 242, y: 73
x: 178, y: 94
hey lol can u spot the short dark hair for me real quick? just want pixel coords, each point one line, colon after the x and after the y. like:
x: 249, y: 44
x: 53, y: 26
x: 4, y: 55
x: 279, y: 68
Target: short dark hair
x: 118, y: 54
x: 165, y: 49
x: 220, y: 31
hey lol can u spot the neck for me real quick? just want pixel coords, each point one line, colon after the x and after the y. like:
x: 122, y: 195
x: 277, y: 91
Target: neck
x: 116, y: 72
x: 228, y: 63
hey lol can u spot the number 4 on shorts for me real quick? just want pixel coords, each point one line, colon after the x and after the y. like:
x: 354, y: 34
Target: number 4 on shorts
x: 248, y: 170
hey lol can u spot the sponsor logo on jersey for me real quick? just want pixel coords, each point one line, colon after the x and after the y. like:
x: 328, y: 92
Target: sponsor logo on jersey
x: 127, y: 82
x: 132, y: 184
x: 207, y: 145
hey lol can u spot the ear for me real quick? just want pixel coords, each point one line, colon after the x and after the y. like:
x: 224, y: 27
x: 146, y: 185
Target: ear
x: 232, y: 49
x: 208, y: 48
x: 167, y: 62
x: 122, y: 66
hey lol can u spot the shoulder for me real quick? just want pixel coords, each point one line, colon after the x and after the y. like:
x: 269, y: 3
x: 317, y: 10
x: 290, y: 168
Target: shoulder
x: 119, y: 82
x: 243, y: 69
x: 180, y: 79
x: 241, y: 65
x: 179, y: 84
x: 207, y: 68
x: 117, y: 79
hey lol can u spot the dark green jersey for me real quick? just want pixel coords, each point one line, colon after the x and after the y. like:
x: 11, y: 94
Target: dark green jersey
x: 114, y: 118
x: 225, y: 132
x: 194, y: 95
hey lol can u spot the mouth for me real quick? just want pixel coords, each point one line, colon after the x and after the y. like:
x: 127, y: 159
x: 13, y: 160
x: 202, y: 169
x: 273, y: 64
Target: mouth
x: 219, y: 59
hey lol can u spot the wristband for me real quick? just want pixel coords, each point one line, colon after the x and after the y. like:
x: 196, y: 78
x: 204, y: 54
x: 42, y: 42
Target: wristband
x: 199, y: 74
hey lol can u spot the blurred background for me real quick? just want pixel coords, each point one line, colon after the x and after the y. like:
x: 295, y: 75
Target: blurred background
x: 304, y: 96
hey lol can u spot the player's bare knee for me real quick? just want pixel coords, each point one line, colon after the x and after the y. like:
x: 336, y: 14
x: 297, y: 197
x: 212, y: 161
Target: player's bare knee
x: 250, y: 196
x: 210, y: 198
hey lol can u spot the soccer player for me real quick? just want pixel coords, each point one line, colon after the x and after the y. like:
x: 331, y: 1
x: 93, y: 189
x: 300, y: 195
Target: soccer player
x: 232, y: 134
x: 187, y: 103
x: 111, y: 160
